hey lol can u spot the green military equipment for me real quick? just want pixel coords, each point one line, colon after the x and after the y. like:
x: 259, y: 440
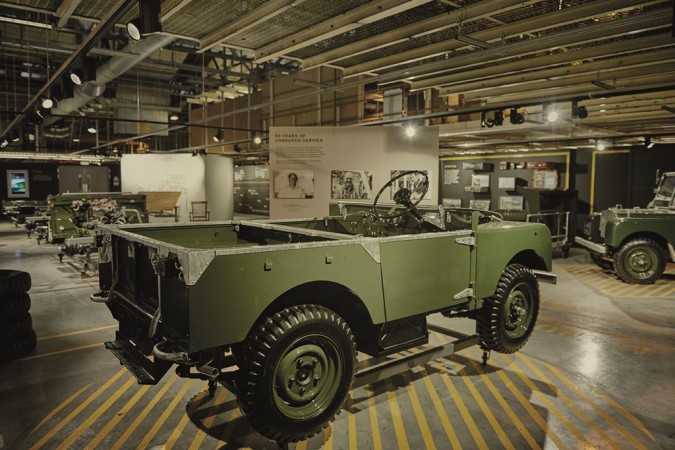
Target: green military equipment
x: 74, y: 215
x: 635, y: 242
x: 276, y: 310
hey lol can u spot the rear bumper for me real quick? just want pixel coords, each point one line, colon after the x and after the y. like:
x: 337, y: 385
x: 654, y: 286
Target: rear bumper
x: 592, y: 246
x: 144, y: 369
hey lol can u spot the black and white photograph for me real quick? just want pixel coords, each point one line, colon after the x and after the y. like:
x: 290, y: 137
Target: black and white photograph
x: 415, y: 182
x: 351, y: 184
x: 294, y: 183
x: 482, y: 205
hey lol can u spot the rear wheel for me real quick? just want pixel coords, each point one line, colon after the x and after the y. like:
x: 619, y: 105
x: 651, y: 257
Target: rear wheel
x: 13, y: 283
x: 296, y: 371
x: 640, y: 261
x: 506, y: 320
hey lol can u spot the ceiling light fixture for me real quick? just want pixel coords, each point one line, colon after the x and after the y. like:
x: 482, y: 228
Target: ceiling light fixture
x: 600, y: 145
x: 92, y: 130
x: 134, y: 29
x: 515, y: 117
x: 549, y: 114
x: 174, y: 117
x: 257, y: 140
x: 498, y: 118
x: 218, y: 136
x: 47, y: 103
x: 648, y: 142
x: 410, y: 131
x: 579, y: 112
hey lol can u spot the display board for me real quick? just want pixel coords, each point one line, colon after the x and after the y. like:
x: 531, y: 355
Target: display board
x: 310, y: 167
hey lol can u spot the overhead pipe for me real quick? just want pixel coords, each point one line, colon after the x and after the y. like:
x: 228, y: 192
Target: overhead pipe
x: 108, y: 71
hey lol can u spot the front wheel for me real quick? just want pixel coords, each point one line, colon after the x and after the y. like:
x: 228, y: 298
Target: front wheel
x: 297, y: 368
x: 640, y: 261
x: 506, y: 320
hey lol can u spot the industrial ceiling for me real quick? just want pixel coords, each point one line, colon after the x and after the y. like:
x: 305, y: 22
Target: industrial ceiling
x: 490, y: 69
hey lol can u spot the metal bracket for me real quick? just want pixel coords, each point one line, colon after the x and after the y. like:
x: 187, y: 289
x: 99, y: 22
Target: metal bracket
x: 466, y: 293
x: 468, y: 240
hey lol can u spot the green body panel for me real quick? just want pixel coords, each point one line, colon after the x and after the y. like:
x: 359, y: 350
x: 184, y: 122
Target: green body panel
x: 233, y: 291
x: 625, y: 223
x: 498, y: 244
x: 220, y: 277
x: 423, y: 275
x: 67, y: 222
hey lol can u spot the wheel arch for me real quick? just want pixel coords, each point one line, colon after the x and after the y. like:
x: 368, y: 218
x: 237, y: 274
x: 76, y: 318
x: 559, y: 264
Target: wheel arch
x: 662, y: 241
x: 329, y: 294
x: 529, y: 258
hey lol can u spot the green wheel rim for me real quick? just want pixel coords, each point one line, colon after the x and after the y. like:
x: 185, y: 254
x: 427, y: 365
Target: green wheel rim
x: 641, y: 262
x: 518, y: 311
x: 307, y: 377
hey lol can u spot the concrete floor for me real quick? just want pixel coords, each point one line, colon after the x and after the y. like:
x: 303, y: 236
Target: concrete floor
x: 597, y: 373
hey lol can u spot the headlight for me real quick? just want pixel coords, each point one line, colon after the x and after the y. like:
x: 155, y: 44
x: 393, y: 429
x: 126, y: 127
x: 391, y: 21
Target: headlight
x: 61, y: 228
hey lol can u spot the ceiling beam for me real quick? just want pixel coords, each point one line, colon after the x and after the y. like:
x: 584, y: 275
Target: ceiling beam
x: 265, y: 12
x: 538, y: 23
x: 65, y: 10
x: 542, y: 62
x: 569, y: 74
x: 647, y: 21
x: 355, y: 18
x: 466, y: 14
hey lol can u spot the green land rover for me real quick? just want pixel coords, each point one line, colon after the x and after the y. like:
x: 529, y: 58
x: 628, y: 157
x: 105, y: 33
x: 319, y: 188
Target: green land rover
x: 635, y: 242
x: 277, y: 310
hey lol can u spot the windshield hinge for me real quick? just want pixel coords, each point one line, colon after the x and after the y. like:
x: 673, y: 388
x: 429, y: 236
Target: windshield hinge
x: 466, y: 293
x: 468, y: 240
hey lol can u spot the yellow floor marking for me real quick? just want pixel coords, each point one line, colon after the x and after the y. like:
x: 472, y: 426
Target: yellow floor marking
x: 207, y: 422
x: 525, y: 403
x: 456, y: 397
x: 159, y: 423
x: 229, y: 429
x: 58, y: 352
x: 181, y: 425
x: 666, y: 294
x: 572, y: 405
x: 597, y: 408
x: 622, y: 289
x: 445, y: 421
x: 551, y: 407
x: 643, y: 288
x: 506, y: 442
x: 73, y: 333
x: 396, y: 417
x: 625, y: 413
x: 117, y: 418
x: 352, y: 423
x: 374, y: 424
x: 419, y: 414
x: 505, y: 406
x: 62, y: 405
x: 328, y: 437
x: 77, y: 410
x: 72, y: 437
x: 658, y: 289
x: 302, y: 445
x: 127, y: 433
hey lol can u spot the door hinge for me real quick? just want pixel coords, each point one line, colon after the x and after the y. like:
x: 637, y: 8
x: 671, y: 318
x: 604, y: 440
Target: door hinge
x: 466, y: 293
x: 469, y: 240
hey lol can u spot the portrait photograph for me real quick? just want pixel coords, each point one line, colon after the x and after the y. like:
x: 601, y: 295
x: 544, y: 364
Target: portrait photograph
x: 294, y: 183
x: 351, y: 184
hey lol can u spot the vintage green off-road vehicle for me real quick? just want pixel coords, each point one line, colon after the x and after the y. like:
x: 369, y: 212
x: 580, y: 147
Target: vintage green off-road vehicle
x: 635, y: 242
x: 277, y: 310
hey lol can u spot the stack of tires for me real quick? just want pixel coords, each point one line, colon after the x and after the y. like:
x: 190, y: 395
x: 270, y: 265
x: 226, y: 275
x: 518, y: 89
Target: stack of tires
x: 16, y: 325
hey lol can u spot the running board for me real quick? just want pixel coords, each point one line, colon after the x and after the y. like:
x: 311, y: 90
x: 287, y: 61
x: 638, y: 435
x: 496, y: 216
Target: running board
x: 387, y: 369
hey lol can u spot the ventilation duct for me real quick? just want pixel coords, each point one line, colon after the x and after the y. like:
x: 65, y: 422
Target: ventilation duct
x: 108, y: 71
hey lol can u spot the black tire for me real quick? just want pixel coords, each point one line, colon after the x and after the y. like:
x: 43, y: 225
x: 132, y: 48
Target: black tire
x: 14, y: 283
x: 506, y: 320
x: 297, y: 370
x: 18, y: 347
x: 17, y: 326
x: 599, y: 261
x: 640, y: 261
x: 14, y: 307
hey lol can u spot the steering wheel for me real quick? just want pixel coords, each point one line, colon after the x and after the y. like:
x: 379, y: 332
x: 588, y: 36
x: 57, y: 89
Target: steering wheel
x: 403, y: 196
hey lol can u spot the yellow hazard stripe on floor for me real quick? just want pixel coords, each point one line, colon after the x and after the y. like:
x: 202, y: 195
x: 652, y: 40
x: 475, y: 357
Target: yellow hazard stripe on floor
x: 609, y: 284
